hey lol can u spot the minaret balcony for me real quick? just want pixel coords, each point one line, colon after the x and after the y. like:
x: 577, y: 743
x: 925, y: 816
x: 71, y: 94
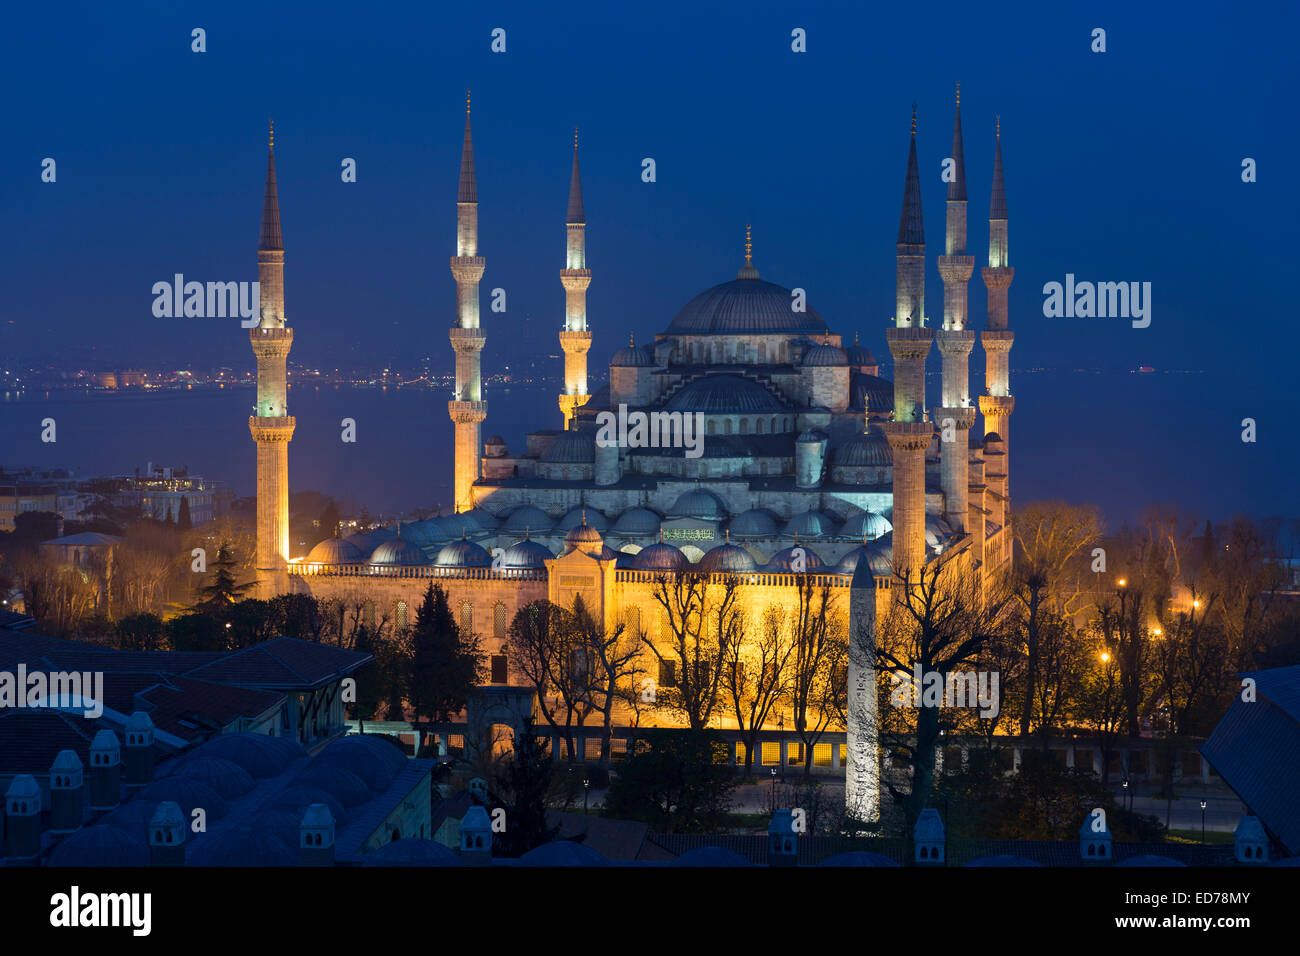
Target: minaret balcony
x: 467, y: 413
x: 279, y: 428
x: 467, y: 340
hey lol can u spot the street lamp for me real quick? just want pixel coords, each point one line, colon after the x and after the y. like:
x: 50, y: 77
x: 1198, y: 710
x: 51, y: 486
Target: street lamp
x: 1104, y: 657
x: 1126, y: 793
x: 1202, y: 821
x: 586, y: 790
x: 774, y: 790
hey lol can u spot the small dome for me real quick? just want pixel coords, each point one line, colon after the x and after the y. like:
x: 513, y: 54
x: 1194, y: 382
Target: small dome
x: 727, y: 558
x: 710, y: 856
x: 526, y: 555
x: 336, y: 551
x: 821, y: 356
x: 698, y: 503
x: 412, y: 851
x: 784, y: 560
x: 480, y: 519
x: 426, y: 533
x: 367, y: 541
x: 754, y: 523
x: 575, y: 516
x: 859, y: 858
x: 865, y: 524
x: 243, y: 846
x: 859, y: 354
x: 398, y: 553
x: 100, y: 845
x: 584, y: 538
x: 224, y: 776
x: 659, y: 557
x: 254, y: 752
x: 495, y: 440
x: 724, y: 394
x: 878, y: 555
x: 300, y: 796
x: 937, y: 530
x: 372, y: 758
x: 340, y: 783
x: 870, y: 450
x: 637, y: 523
x: 280, y: 822
x: 463, y: 554
x: 811, y: 435
x: 188, y: 792
x: 528, y: 519
x: 810, y: 524
x: 632, y: 356
x: 574, y: 447
x: 562, y: 853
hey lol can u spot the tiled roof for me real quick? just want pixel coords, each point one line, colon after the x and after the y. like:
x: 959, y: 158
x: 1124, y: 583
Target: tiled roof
x: 348, y: 843
x: 31, y: 739
x: 283, y: 663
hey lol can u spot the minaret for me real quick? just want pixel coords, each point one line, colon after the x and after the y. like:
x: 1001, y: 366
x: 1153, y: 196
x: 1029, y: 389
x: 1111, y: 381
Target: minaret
x: 467, y: 409
x: 909, y: 342
x: 575, y: 277
x: 956, y: 415
x: 997, y: 405
x: 271, y: 424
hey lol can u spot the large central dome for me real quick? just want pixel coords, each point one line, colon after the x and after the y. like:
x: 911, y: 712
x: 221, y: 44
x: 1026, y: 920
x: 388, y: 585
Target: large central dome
x: 745, y: 305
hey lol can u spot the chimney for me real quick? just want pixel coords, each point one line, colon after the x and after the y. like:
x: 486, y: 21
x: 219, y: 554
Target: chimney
x: 67, y: 792
x: 105, y: 771
x: 1250, y: 842
x: 929, y: 838
x: 475, y: 838
x: 782, y: 840
x: 1095, y: 839
x: 167, y: 833
x: 316, y: 836
x: 139, y: 751
x: 23, y: 821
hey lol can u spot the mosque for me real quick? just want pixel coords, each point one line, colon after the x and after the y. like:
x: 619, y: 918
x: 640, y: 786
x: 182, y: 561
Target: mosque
x: 812, y: 464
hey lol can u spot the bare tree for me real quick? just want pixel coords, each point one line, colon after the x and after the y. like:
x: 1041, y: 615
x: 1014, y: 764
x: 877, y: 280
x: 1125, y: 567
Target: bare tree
x: 819, y: 653
x: 754, y: 677
x: 702, y: 616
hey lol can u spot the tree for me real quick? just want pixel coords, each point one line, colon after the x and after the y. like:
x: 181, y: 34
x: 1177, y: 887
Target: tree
x: 183, y: 521
x: 298, y: 616
x: 445, y: 664
x: 1100, y: 703
x: 329, y: 520
x: 1055, y: 541
x: 521, y: 789
x: 195, y: 632
x: 681, y: 783
x: 754, y: 678
x: 702, y: 615
x: 817, y: 665
x: 35, y: 527
x: 614, y: 653
x: 223, y: 589
x: 249, y: 622
x: 370, y: 678
x: 140, y: 632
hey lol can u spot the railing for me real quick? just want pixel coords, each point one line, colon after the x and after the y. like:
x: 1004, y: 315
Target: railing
x: 756, y: 578
x: 416, y: 571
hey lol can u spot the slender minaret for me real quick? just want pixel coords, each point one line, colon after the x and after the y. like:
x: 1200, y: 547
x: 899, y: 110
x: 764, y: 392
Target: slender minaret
x: 997, y: 405
x: 956, y: 415
x: 575, y: 277
x: 271, y: 424
x: 909, y: 342
x: 467, y: 409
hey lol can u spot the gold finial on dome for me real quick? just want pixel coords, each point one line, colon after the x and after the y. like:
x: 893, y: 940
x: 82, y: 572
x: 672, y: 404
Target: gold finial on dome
x: 749, y: 248
x: 271, y: 137
x: 575, y: 137
x: 914, y: 120
x: 998, y: 118
x: 959, y: 92
x: 467, y: 101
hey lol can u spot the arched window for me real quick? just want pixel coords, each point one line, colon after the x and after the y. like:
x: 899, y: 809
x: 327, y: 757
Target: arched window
x: 368, y: 615
x: 466, y: 617
x: 712, y: 427
x: 726, y: 426
x: 773, y: 424
x: 499, y: 623
x: 759, y: 422
x: 744, y: 426
x: 401, y: 615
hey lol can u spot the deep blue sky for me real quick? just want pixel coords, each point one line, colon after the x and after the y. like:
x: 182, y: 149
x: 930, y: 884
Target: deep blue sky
x: 1120, y: 166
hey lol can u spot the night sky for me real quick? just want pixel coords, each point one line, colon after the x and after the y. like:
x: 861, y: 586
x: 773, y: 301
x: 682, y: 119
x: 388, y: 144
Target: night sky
x: 1122, y: 166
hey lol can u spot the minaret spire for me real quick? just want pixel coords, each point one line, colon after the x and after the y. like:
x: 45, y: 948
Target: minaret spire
x: 271, y: 425
x: 747, y: 271
x: 575, y: 338
x: 467, y: 407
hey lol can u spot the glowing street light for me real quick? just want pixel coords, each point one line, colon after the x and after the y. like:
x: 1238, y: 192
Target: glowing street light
x: 1104, y: 657
x: 1122, y: 582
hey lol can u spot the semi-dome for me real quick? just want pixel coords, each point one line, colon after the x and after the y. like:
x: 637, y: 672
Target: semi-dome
x: 825, y: 355
x: 724, y: 394
x: 336, y: 551
x: 525, y: 555
x: 877, y: 392
x: 861, y: 451
x: 727, y: 558
x: 398, y: 553
x: 784, y: 559
x: 745, y: 305
x: 810, y: 524
x: 583, y: 513
x: 573, y: 447
x: 463, y: 554
x: 426, y: 533
x: 866, y: 525
x: 528, y: 518
x: 660, y: 557
x: 637, y: 522
x: 632, y: 356
x: 698, y: 503
x: 754, y: 523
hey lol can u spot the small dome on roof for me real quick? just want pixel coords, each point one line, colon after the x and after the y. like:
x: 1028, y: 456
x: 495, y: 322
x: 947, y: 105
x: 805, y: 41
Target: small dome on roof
x: 528, y: 519
x: 698, y: 503
x: 727, y: 558
x: 710, y: 856
x: 336, y: 551
x: 783, y: 560
x: 412, y: 851
x: 575, y: 446
x: 373, y: 758
x: 463, y: 554
x: 878, y: 555
x: 426, y: 533
x: 825, y: 355
x: 754, y: 523
x: 859, y: 354
x: 398, y: 553
x: 724, y: 394
x: 860, y: 451
x: 660, y: 557
x: 562, y: 853
x: 367, y: 541
x: 876, y: 391
x: 340, y: 783
x: 575, y: 516
x: 243, y: 846
x: 256, y: 753
x: 636, y: 522
x: 523, y: 555
x: 100, y: 845
x: 224, y: 776
x: 495, y: 440
x: 866, y: 524
x: 585, y: 538
x: 189, y: 792
x: 810, y: 524
x: 300, y: 796
x: 632, y: 356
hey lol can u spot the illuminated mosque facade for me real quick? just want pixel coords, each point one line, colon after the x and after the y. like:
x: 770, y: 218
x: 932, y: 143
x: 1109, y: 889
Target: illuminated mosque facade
x: 812, y: 464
